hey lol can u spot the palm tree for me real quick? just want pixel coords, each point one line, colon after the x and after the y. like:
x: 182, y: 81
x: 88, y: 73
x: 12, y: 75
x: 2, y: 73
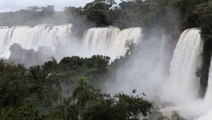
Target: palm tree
x: 82, y: 94
x: 68, y: 108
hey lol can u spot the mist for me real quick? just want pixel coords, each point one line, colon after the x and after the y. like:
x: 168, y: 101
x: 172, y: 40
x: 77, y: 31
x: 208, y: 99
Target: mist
x: 146, y: 68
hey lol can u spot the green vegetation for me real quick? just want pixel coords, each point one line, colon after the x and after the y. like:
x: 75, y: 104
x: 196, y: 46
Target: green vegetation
x: 63, y: 91
x: 206, y: 33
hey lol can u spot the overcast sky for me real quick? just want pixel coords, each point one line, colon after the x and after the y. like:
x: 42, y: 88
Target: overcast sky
x: 12, y: 5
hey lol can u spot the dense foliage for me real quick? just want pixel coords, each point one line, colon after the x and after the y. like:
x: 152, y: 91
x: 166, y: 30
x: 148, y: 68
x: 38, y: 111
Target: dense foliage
x: 63, y: 91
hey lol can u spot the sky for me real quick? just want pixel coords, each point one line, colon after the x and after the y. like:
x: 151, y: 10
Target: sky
x: 12, y: 5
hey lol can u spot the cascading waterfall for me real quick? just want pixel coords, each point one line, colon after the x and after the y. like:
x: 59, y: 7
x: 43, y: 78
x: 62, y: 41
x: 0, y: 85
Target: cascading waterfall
x: 59, y: 41
x: 33, y: 37
x: 110, y: 41
x: 100, y: 40
x: 183, y: 84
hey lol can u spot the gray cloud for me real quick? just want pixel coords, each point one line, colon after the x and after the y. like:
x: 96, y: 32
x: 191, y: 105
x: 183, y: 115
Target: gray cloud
x: 12, y: 5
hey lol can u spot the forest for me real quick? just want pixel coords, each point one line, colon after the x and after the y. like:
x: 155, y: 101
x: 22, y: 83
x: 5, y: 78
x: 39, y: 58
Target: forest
x: 71, y: 89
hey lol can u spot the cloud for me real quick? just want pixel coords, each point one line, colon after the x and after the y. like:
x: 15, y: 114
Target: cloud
x: 12, y: 5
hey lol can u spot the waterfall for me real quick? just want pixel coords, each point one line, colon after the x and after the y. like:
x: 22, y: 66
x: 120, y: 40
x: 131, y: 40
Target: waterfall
x: 60, y: 42
x: 183, y: 84
x: 110, y: 41
x: 33, y: 37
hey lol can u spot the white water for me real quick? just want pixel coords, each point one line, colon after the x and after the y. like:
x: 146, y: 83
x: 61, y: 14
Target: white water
x: 33, y: 38
x: 60, y: 42
x: 110, y: 41
x: 183, y: 84
x: 198, y: 109
x: 194, y: 109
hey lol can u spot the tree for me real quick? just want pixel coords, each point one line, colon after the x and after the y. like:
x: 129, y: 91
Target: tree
x: 67, y: 110
x: 82, y: 94
x: 25, y: 112
x: 119, y: 107
x: 14, y: 85
x: 47, y: 11
x: 205, y: 10
x: 175, y: 116
x: 189, y: 16
x: 98, y: 12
